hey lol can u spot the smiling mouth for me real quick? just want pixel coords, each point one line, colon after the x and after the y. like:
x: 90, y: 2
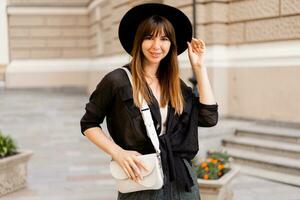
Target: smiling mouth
x: 156, y: 55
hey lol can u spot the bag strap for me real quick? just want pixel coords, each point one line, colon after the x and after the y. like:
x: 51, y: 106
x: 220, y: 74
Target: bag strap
x: 146, y: 114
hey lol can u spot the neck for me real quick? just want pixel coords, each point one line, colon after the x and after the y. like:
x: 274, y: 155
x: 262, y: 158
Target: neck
x: 151, y: 69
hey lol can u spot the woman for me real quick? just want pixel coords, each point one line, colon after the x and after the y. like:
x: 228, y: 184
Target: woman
x: 154, y: 34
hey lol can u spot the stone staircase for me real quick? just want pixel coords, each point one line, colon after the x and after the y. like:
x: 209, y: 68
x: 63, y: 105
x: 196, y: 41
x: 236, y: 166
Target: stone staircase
x: 272, y: 154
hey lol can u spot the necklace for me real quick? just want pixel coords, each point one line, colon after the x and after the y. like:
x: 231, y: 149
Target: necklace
x: 150, y: 80
x: 150, y: 76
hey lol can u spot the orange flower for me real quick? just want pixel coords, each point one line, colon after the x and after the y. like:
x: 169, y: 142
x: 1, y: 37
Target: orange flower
x: 204, y: 165
x: 221, y: 167
x: 206, y: 168
x: 214, y: 161
x: 205, y: 176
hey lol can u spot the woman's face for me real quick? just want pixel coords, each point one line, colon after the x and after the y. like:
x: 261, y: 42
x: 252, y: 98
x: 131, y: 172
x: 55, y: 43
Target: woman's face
x: 155, y: 48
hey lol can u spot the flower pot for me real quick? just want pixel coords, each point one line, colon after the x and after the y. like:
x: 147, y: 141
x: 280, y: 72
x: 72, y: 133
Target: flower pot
x: 218, y: 189
x: 13, y: 172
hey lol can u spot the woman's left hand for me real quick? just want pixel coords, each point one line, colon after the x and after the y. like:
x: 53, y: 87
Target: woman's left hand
x: 196, y: 50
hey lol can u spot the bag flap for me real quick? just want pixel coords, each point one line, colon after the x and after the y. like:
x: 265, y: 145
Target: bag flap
x: 149, y: 160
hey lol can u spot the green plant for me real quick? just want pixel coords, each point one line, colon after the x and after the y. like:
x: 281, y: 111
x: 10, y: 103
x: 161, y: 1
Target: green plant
x: 7, y: 146
x: 214, y: 166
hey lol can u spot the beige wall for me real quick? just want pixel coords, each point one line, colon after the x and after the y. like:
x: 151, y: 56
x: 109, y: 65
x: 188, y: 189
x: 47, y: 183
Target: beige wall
x: 265, y: 93
x: 2, y: 71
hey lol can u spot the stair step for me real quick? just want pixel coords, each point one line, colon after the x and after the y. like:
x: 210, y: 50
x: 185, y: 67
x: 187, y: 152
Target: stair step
x: 284, y: 149
x: 270, y: 133
x: 265, y: 161
x: 270, y: 175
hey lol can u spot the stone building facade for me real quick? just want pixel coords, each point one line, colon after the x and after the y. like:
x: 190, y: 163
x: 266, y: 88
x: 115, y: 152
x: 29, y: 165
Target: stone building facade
x: 253, y: 53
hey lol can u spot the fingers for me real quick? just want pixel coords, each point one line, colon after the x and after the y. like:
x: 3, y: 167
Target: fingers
x: 198, y: 42
x: 132, y: 169
x: 197, y: 45
x: 141, y: 165
x: 136, y: 170
x: 133, y: 166
x: 137, y: 153
x: 126, y: 172
x: 130, y: 172
x: 190, y: 49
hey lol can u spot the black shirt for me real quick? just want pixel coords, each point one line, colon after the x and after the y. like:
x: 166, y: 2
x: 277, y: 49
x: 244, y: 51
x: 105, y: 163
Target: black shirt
x: 113, y: 99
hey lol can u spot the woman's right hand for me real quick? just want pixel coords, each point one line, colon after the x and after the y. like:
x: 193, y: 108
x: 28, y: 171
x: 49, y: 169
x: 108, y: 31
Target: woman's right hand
x: 130, y: 163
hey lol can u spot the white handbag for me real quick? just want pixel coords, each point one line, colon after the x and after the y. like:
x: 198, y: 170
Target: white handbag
x: 152, y: 179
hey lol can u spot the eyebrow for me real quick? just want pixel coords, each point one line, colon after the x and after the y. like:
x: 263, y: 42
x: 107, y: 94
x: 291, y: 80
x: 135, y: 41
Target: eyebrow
x: 160, y: 35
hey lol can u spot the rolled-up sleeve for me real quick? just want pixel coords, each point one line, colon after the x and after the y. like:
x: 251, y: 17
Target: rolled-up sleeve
x: 99, y: 104
x: 207, y: 115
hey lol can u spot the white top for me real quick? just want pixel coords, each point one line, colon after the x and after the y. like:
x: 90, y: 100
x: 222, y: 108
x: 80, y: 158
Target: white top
x: 163, y: 114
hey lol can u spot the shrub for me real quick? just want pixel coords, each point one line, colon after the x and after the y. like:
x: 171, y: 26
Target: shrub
x: 8, y: 146
x: 214, y: 166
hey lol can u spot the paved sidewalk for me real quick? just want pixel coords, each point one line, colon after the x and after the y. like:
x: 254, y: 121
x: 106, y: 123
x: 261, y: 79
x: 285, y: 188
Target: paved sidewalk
x: 66, y: 166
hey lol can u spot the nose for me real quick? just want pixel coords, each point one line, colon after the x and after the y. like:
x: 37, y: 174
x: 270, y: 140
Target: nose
x: 156, y: 43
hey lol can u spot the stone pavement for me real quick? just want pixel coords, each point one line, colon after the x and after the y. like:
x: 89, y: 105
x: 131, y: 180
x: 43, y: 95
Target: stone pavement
x: 66, y: 166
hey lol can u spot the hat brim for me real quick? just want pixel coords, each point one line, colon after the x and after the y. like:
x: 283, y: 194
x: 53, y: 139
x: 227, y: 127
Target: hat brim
x: 132, y: 19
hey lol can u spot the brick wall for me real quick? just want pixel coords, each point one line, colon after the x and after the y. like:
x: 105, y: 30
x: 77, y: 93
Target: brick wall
x: 95, y: 34
x: 218, y: 22
x: 48, y: 2
x: 48, y: 36
x: 105, y: 21
x: 247, y: 21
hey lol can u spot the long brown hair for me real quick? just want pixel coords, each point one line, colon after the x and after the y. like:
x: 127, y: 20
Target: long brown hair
x: 168, y: 70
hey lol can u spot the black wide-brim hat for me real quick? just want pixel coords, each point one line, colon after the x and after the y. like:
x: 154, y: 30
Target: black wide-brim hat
x: 131, y: 20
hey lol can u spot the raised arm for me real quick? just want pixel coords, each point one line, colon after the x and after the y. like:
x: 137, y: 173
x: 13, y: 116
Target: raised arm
x: 196, y: 50
x: 208, y: 108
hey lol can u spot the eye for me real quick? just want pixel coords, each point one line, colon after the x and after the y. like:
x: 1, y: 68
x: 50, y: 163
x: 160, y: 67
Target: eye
x: 165, y: 38
x: 148, y: 37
